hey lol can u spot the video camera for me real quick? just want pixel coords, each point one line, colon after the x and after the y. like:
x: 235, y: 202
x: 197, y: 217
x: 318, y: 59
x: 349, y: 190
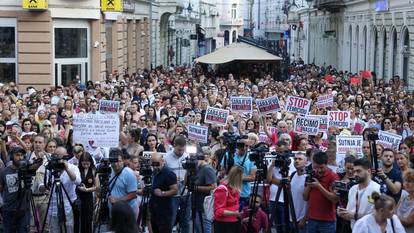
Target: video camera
x: 231, y: 140
x: 342, y: 188
x: 105, y: 166
x: 310, y: 174
x: 55, y: 164
x: 28, y: 169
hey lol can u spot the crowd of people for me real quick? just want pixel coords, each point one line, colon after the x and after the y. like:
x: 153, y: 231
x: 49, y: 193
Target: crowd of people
x: 156, y: 108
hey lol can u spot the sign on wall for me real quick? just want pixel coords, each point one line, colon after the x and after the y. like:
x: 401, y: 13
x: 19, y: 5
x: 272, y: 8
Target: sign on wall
x: 35, y: 4
x: 111, y: 5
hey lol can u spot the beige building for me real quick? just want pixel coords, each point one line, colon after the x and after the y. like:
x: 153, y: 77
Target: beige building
x: 69, y: 40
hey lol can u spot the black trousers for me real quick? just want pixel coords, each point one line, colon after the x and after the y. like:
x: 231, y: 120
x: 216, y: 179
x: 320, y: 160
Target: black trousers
x: 227, y: 227
x: 161, y: 224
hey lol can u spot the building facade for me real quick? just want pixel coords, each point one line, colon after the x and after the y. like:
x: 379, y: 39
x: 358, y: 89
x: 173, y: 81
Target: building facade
x: 69, y: 41
x: 359, y: 35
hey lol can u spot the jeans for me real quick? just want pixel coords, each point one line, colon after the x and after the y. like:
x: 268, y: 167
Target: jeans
x: 11, y: 224
x: 54, y: 223
x: 303, y: 230
x: 315, y: 226
x: 184, y: 203
x: 206, y: 224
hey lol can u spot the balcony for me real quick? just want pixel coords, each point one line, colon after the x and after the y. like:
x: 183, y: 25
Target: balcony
x: 332, y: 6
x: 231, y: 22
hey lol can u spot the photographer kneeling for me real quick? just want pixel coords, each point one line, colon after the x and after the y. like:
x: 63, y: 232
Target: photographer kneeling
x: 15, y: 218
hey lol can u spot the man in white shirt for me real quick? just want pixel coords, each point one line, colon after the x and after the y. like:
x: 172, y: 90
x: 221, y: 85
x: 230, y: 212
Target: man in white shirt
x: 360, y: 202
x: 69, y: 178
x: 297, y: 187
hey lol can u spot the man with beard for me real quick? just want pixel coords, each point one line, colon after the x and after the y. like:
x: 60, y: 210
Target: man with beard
x: 164, y: 188
x: 360, y: 202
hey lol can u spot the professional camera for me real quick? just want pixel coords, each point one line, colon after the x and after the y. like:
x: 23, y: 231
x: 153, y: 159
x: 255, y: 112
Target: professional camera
x: 230, y: 139
x: 105, y: 166
x: 342, y: 188
x: 283, y: 160
x: 373, y: 136
x: 310, y: 174
x: 28, y: 169
x: 190, y: 163
x: 258, y: 152
x: 55, y: 163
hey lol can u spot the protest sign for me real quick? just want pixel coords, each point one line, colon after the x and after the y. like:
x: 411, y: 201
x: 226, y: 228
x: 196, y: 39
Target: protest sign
x: 384, y: 144
x: 389, y: 138
x: 339, y: 119
x: 348, y: 143
x: 241, y: 104
x: 298, y: 105
x: 197, y: 133
x: 100, y: 130
x: 268, y: 105
x: 108, y: 106
x: 307, y: 125
x: 148, y: 154
x: 325, y: 101
x: 323, y: 122
x: 216, y: 116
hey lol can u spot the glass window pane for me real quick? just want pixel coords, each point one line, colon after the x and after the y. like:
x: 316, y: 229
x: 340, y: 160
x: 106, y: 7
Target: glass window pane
x: 69, y: 73
x: 7, y: 72
x: 7, y: 42
x: 71, y: 43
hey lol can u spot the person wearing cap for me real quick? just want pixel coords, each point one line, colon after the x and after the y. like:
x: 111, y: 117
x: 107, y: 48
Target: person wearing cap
x: 15, y: 216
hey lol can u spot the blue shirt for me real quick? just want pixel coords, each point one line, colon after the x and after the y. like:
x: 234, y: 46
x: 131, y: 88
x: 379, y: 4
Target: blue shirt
x: 247, y: 167
x: 124, y: 184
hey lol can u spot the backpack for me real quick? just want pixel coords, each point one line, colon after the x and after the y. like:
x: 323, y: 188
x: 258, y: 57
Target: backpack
x: 208, y: 203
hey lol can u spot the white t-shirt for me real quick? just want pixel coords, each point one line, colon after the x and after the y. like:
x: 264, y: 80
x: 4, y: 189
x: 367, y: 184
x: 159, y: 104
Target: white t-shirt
x: 297, y: 186
x: 367, y: 224
x: 276, y: 174
x: 366, y: 203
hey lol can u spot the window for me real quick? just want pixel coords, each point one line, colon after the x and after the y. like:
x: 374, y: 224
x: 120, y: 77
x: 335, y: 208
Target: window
x: 233, y: 11
x: 71, y: 43
x: 7, y: 50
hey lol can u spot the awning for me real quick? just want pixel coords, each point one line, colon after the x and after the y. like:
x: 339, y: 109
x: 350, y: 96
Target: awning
x: 238, y: 52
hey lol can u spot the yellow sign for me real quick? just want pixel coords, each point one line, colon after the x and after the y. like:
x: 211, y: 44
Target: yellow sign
x: 35, y: 4
x: 111, y: 5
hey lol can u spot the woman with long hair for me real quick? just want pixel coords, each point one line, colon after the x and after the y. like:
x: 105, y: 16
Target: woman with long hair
x: 382, y: 220
x: 123, y: 218
x: 85, y: 190
x: 226, y: 202
x: 402, y: 161
x: 151, y: 144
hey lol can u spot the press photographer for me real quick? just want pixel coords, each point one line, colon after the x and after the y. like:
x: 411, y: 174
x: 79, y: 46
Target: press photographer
x: 359, y: 195
x: 14, y: 219
x: 164, y: 188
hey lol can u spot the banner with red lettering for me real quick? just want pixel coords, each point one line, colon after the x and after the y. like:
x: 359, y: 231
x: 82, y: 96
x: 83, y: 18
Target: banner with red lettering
x: 340, y: 119
x: 216, y: 116
x: 325, y: 101
x: 268, y: 105
x: 323, y: 122
x: 241, y: 104
x: 197, y: 133
x: 307, y: 125
x: 298, y: 105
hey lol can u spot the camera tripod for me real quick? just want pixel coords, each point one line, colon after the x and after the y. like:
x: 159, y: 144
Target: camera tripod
x: 101, y: 212
x: 143, y: 207
x: 289, y: 209
x: 25, y: 196
x: 59, y: 189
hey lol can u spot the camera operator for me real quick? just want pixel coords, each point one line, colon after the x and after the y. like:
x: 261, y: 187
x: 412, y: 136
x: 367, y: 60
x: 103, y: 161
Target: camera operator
x: 122, y: 183
x: 173, y: 160
x: 241, y: 158
x: 359, y: 195
x: 205, y: 182
x: 320, y: 196
x: 164, y: 186
x: 69, y: 178
x: 14, y: 220
x: 390, y: 176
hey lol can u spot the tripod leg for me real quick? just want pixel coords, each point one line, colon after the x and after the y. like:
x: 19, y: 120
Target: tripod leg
x: 61, y: 209
x: 33, y: 207
x: 292, y: 211
x: 48, y: 206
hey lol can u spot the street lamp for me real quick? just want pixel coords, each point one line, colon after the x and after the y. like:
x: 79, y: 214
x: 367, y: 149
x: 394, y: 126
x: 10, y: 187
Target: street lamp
x: 189, y: 8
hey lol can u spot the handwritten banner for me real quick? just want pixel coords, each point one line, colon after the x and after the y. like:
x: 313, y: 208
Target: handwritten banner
x: 108, y: 106
x: 197, y: 133
x: 339, y: 119
x: 389, y: 138
x: 298, y: 105
x: 307, y: 125
x: 241, y: 104
x: 216, y: 116
x: 325, y: 101
x: 100, y: 130
x: 268, y: 105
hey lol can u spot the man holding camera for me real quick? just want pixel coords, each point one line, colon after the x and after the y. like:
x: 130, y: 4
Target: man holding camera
x: 390, y: 176
x: 123, y: 183
x: 359, y: 195
x: 164, y: 188
x: 320, y: 196
x: 16, y: 218
x: 69, y: 178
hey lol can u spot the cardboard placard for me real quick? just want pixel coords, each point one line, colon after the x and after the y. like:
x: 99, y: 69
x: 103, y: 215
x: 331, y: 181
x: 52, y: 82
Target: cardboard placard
x: 148, y: 154
x: 268, y: 105
x: 389, y: 138
x: 323, y: 122
x: 216, y: 116
x: 197, y: 133
x: 346, y: 143
x: 307, y: 125
x: 100, y: 130
x: 109, y: 106
x: 297, y: 105
x: 241, y: 104
x: 340, y: 119
x: 325, y: 101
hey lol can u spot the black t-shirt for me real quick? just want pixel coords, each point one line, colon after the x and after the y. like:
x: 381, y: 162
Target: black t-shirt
x: 9, y: 180
x: 162, y: 206
x: 206, y: 175
x: 394, y: 175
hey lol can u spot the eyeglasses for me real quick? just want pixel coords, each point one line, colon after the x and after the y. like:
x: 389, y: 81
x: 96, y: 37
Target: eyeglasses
x: 161, y: 126
x: 387, y: 123
x: 47, y: 126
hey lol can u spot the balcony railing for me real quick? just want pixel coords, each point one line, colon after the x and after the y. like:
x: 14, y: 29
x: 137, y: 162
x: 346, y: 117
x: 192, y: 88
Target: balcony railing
x: 330, y: 5
x: 232, y: 22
